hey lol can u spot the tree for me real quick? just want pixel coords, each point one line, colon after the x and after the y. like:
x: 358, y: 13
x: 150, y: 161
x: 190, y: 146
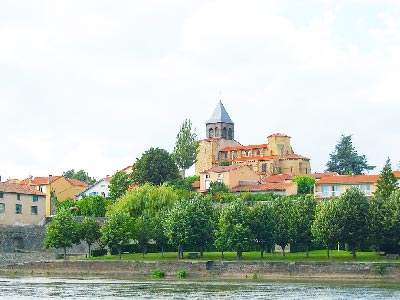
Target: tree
x: 234, y: 228
x: 303, y: 217
x: 345, y: 159
x: 217, y: 188
x: 378, y: 231
x: 62, y: 231
x: 117, y: 230
x: 156, y: 166
x: 387, y: 182
x: 119, y: 184
x: 92, y: 206
x: 262, y: 225
x: 354, y: 212
x: 186, y: 147
x: 185, y: 183
x: 392, y: 223
x: 327, y: 225
x: 305, y: 184
x: 89, y: 231
x: 80, y: 175
x: 282, y: 209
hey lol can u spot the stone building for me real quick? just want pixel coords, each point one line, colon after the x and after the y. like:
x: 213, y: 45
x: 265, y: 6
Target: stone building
x: 220, y: 148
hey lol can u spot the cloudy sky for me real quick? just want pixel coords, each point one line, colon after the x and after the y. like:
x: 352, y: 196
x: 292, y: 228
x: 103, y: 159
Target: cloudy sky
x: 93, y: 84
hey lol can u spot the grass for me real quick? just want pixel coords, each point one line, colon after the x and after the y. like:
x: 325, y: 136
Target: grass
x: 314, y: 256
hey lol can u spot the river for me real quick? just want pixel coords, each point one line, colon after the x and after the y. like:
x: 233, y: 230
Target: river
x: 94, y: 288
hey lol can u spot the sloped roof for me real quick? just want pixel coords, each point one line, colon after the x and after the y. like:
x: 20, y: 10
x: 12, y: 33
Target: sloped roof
x: 320, y: 175
x: 279, y: 135
x: 277, y: 178
x: 76, y: 182
x: 348, y: 179
x: 219, y: 115
x: 7, y: 187
x: 270, y: 186
x: 248, y: 147
x: 40, y: 180
x: 293, y: 156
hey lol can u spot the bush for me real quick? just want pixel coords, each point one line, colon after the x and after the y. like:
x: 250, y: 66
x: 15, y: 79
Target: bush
x: 98, y: 252
x: 158, y: 274
x: 181, y: 274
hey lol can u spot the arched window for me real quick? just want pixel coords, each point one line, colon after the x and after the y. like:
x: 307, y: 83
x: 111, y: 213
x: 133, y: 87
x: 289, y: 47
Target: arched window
x: 216, y: 132
x: 230, y: 134
x: 211, y: 133
x: 224, y: 132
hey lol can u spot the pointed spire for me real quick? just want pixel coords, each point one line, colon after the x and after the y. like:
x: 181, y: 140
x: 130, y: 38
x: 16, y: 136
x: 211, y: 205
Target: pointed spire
x: 220, y: 115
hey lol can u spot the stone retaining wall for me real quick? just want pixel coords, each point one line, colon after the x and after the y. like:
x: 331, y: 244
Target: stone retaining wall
x: 213, y: 269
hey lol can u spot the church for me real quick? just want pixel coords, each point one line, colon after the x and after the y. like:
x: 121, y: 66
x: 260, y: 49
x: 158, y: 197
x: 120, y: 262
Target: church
x: 220, y: 148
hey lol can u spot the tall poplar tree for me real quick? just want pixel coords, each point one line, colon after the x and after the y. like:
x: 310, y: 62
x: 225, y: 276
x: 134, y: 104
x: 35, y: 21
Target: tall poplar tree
x: 185, y: 150
x: 345, y: 159
x: 387, y: 183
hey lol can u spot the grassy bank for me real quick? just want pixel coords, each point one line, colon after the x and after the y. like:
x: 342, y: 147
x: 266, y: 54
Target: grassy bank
x: 314, y: 256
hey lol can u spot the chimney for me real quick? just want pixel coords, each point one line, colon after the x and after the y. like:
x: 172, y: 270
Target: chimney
x: 30, y: 180
x: 50, y: 177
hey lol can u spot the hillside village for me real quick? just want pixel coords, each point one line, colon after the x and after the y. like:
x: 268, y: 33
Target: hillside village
x: 262, y: 168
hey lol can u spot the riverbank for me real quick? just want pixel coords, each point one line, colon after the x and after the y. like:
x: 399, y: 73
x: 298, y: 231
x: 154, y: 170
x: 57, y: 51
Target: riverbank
x: 356, y: 271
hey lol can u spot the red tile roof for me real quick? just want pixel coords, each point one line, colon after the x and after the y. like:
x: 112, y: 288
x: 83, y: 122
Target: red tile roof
x: 271, y: 186
x: 320, y: 175
x: 266, y: 157
x: 40, y: 180
x: 248, y: 147
x: 277, y: 178
x: 7, y: 187
x: 76, y: 182
x: 396, y: 174
x: 196, y: 184
x: 293, y: 156
x: 279, y: 135
x: 348, y: 179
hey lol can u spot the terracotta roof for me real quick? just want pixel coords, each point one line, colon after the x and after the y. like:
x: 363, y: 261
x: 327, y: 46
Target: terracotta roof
x: 220, y: 169
x: 348, y: 179
x: 40, y: 180
x: 277, y: 178
x: 279, y: 134
x: 396, y: 174
x: 7, y: 187
x: 248, y: 147
x: 293, y: 156
x: 108, y: 179
x: 209, y: 139
x: 76, y: 182
x: 196, y: 184
x: 271, y: 186
x: 320, y: 175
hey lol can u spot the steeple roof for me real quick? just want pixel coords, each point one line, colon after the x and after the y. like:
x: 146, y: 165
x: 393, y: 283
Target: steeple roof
x: 219, y: 115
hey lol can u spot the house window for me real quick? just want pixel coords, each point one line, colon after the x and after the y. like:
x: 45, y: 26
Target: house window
x: 2, y: 208
x: 35, y: 198
x: 18, y: 196
x: 18, y: 208
x: 220, y: 177
x: 207, y: 176
x: 1, y: 195
x: 42, y: 188
x: 34, y: 210
x: 258, y: 152
x: 264, y: 167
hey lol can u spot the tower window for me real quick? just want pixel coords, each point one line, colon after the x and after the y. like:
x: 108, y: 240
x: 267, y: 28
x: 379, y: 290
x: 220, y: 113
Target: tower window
x: 230, y: 134
x: 216, y: 132
x: 211, y: 133
x: 224, y: 132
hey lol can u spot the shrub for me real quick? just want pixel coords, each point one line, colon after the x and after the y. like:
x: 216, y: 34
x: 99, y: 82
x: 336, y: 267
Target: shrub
x: 158, y: 274
x: 181, y: 274
x: 99, y: 252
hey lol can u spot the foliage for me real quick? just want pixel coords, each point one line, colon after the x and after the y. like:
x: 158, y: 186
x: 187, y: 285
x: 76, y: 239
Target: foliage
x: 80, y: 175
x: 262, y: 225
x: 345, y: 159
x: 181, y: 274
x: 62, y: 231
x: 233, y: 231
x: 392, y: 223
x: 251, y: 197
x: 282, y: 209
x: 92, y: 206
x: 119, y: 184
x: 303, y: 217
x: 387, y: 182
x: 158, y: 274
x: 217, y: 188
x: 117, y: 230
x: 326, y: 227
x: 376, y: 226
x: 66, y: 204
x: 305, y: 184
x: 89, y: 231
x: 156, y: 166
x: 353, y: 207
x: 184, y: 183
x: 98, y: 252
x: 186, y: 146
x: 224, y: 163
x: 190, y: 222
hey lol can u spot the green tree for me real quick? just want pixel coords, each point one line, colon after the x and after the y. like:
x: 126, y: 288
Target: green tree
x: 89, y: 231
x: 117, y: 230
x: 282, y: 209
x: 262, y: 225
x: 354, y: 211
x: 68, y: 204
x: 80, y: 175
x: 185, y: 183
x: 186, y: 147
x: 387, y: 182
x: 217, y: 188
x: 305, y: 184
x: 234, y: 228
x: 345, y: 159
x: 327, y: 225
x: 119, y: 184
x: 303, y: 217
x: 92, y: 206
x: 378, y: 231
x: 62, y: 231
x: 156, y: 166
x: 392, y: 223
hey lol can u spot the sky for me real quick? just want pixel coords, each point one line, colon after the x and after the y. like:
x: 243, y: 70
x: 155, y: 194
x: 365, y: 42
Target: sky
x: 93, y: 84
